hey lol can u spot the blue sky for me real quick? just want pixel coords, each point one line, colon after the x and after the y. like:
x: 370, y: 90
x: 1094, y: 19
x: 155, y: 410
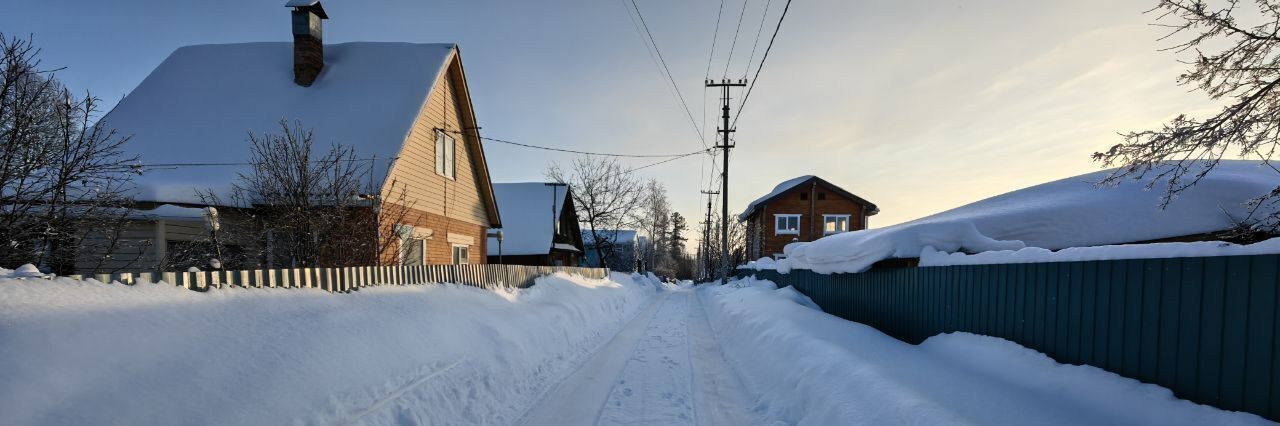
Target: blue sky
x: 917, y: 106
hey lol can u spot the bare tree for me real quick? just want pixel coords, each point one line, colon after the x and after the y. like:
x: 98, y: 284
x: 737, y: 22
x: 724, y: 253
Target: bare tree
x: 1242, y: 68
x: 607, y: 197
x: 654, y: 216
x: 310, y: 208
x: 737, y: 247
x: 63, y: 173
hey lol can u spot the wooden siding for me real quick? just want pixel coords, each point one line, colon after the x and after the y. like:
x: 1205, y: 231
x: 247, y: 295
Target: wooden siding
x: 439, y: 249
x: 415, y: 172
x: 137, y: 247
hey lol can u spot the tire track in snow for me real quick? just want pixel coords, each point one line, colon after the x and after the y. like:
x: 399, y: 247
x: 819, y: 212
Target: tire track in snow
x: 578, y: 399
x: 656, y: 385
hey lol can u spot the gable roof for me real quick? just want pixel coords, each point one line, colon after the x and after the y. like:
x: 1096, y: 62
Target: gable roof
x: 800, y: 181
x: 528, y: 224
x: 199, y: 105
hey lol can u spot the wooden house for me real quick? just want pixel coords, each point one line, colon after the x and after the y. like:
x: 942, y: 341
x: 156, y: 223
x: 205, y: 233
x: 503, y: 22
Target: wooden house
x: 404, y: 107
x: 539, y: 225
x: 800, y: 210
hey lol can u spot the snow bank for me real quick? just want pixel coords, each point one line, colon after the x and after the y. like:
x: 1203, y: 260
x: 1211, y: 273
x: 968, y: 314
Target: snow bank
x: 1071, y: 212
x: 811, y: 368
x: 82, y: 352
x: 933, y: 257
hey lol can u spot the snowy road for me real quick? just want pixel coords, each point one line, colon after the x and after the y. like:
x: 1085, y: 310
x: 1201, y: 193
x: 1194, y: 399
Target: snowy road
x: 663, y: 368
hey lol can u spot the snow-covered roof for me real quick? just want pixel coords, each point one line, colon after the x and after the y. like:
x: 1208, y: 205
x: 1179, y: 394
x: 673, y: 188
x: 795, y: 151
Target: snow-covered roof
x: 792, y: 183
x: 617, y: 236
x: 199, y: 105
x: 528, y: 224
x: 1072, y: 212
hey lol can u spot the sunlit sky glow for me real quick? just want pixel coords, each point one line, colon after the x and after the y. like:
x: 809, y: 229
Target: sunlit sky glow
x: 917, y: 106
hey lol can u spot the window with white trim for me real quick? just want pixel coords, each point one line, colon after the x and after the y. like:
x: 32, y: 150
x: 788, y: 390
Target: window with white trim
x: 413, y: 247
x: 461, y: 254
x: 786, y: 224
x: 835, y: 223
x: 445, y: 164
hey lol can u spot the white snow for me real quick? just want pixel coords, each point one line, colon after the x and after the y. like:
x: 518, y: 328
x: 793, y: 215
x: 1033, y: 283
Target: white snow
x: 664, y: 368
x: 933, y: 257
x: 806, y: 367
x: 528, y: 224
x: 199, y: 105
x: 82, y: 352
x: 1071, y: 212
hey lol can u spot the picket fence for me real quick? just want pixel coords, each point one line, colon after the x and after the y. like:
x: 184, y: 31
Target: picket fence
x: 347, y: 279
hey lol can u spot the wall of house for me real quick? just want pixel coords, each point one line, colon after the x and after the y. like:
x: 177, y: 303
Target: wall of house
x: 415, y: 170
x: 445, y: 232
x: 140, y: 246
x: 761, y: 225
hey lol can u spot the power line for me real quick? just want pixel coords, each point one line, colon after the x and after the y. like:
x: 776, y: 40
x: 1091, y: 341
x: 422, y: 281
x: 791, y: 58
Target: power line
x: 707, y: 75
x: 763, y: 16
x: 763, y: 58
x: 600, y: 154
x: 246, y: 163
x: 683, y: 104
x: 734, y: 45
x: 663, y: 161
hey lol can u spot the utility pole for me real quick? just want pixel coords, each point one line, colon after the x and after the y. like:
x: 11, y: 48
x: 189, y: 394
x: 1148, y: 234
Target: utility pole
x: 706, y: 237
x: 726, y: 143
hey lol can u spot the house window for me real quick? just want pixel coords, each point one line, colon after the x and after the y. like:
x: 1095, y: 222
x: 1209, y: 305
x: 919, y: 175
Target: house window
x: 835, y: 223
x: 461, y: 254
x: 822, y: 195
x: 804, y: 195
x: 786, y: 224
x: 445, y: 164
x: 413, y: 252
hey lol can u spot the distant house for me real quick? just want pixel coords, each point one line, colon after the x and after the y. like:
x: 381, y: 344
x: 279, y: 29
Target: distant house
x: 621, y: 249
x: 800, y: 210
x: 403, y: 106
x: 539, y: 225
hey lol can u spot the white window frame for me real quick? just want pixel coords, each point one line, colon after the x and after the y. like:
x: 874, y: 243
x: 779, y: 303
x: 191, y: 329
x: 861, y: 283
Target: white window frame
x: 454, y: 254
x: 778, y: 230
x: 446, y: 155
x: 848, y: 224
x: 410, y: 235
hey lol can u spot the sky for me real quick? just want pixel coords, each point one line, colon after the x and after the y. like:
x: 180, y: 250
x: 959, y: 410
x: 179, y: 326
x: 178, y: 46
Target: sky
x: 917, y: 106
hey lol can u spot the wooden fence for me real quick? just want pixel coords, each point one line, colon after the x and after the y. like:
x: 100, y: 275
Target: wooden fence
x: 1207, y: 327
x: 354, y: 278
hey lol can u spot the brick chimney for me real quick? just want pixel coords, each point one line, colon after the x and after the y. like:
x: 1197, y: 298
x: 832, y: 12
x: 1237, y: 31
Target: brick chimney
x: 308, y: 40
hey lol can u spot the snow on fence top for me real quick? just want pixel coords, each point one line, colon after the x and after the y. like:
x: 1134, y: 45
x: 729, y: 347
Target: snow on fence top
x: 1072, y: 212
x: 528, y: 224
x: 201, y: 103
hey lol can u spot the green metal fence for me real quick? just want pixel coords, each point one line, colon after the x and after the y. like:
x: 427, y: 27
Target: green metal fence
x: 1205, y: 327
x: 354, y: 278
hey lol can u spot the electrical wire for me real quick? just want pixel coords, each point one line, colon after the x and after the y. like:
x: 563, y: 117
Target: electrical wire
x: 667, y: 71
x: 734, y: 45
x: 763, y: 58
x: 763, y: 16
x: 599, y: 154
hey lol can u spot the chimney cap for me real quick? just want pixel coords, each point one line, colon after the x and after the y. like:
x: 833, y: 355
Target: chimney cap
x: 312, y: 6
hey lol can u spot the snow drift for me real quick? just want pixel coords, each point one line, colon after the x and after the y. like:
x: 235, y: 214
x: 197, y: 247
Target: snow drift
x: 82, y: 352
x: 810, y: 368
x: 1072, y: 212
